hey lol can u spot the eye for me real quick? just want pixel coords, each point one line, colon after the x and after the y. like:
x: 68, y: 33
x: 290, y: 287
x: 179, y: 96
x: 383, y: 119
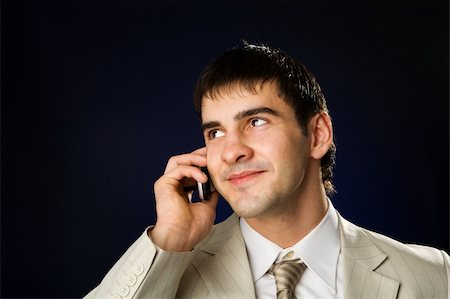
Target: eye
x: 257, y: 122
x: 213, y: 134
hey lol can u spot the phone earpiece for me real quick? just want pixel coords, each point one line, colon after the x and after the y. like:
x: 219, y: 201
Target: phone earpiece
x: 205, y: 190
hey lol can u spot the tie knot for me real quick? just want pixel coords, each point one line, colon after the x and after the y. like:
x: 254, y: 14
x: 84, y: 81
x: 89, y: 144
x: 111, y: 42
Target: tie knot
x: 287, y: 274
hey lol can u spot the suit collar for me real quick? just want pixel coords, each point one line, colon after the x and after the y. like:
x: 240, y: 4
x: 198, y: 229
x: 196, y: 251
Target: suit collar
x: 223, y: 233
x: 225, y: 253
x: 319, y: 249
x: 357, y: 246
x: 361, y: 258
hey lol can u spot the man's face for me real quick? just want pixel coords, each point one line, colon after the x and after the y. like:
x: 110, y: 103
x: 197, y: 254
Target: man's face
x: 257, y: 155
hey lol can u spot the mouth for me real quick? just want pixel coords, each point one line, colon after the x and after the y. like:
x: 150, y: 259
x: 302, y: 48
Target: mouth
x: 241, y: 178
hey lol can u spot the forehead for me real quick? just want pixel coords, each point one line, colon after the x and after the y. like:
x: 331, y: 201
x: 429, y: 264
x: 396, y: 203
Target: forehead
x: 236, y: 97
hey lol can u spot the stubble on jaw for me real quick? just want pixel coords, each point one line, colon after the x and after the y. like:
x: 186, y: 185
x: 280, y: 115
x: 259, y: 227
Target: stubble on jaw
x: 268, y: 204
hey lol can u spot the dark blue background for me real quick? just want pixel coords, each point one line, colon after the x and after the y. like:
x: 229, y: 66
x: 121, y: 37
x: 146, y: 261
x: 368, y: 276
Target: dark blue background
x: 96, y: 97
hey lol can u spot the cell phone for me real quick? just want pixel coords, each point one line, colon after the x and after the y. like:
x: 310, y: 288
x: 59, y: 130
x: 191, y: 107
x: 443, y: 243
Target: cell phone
x: 205, y: 189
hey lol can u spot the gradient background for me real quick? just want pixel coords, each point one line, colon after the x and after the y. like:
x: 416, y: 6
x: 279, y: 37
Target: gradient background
x: 96, y: 97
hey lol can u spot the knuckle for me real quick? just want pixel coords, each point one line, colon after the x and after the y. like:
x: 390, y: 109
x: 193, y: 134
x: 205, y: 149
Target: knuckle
x: 171, y: 160
x: 157, y: 183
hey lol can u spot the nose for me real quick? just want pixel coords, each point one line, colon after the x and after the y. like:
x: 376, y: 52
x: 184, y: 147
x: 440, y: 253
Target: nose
x: 236, y: 150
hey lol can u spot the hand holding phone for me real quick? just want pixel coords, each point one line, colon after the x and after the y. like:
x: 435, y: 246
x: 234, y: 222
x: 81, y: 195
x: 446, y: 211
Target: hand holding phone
x: 182, y: 224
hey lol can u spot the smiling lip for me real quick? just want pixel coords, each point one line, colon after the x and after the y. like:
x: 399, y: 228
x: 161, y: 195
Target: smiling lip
x: 242, y: 177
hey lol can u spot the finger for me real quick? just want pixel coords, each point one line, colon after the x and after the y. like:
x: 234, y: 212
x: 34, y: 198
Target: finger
x: 200, y: 151
x: 189, y: 185
x: 189, y: 158
x: 185, y: 159
x: 185, y: 171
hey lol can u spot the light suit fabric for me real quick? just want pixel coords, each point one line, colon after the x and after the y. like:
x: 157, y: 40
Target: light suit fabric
x: 375, y: 266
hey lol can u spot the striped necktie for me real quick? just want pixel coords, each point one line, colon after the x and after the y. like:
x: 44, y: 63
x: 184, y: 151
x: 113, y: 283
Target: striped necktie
x: 287, y: 274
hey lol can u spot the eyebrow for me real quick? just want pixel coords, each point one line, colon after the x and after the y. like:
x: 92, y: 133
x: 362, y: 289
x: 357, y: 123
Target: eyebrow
x: 241, y: 115
x: 255, y: 111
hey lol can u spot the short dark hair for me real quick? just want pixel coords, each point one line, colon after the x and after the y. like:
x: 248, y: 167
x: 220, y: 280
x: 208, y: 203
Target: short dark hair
x: 252, y: 65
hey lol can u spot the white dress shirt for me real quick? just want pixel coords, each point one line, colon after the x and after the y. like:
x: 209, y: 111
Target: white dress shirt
x: 320, y: 251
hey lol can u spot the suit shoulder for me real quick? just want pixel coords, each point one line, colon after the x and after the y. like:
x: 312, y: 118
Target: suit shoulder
x: 425, y: 254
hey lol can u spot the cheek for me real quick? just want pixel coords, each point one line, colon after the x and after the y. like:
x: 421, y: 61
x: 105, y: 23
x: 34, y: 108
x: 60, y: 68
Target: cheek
x: 213, y: 158
x: 288, y: 151
x: 276, y: 146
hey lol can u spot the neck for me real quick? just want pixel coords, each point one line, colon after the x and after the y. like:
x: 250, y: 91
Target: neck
x: 293, y: 223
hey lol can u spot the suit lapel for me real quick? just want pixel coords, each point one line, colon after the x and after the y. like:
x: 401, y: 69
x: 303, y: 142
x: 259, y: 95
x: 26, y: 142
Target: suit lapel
x: 224, y: 265
x: 360, y: 259
x: 225, y: 269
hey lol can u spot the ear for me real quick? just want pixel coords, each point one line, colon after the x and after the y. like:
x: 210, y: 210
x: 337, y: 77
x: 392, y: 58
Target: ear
x: 321, y: 131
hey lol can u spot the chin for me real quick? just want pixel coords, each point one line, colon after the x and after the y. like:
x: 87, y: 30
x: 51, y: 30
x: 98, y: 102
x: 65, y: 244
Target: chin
x: 250, y: 207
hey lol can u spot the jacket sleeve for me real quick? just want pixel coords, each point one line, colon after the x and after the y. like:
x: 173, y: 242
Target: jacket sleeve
x: 144, y: 271
x: 447, y: 267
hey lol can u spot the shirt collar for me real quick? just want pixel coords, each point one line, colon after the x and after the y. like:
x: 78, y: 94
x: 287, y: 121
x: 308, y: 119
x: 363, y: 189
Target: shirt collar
x: 319, y: 249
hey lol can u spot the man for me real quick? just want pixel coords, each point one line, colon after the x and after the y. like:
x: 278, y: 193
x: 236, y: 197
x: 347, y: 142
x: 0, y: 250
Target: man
x: 269, y: 152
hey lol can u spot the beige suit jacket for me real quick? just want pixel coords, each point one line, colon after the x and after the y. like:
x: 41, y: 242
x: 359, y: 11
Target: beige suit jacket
x: 374, y: 267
